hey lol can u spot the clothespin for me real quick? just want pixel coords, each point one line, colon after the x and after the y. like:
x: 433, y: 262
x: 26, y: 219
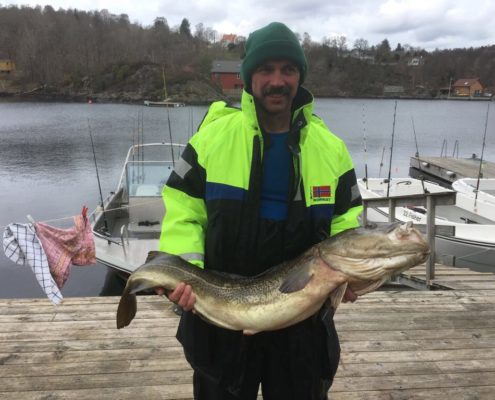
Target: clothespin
x: 31, y: 221
x: 84, y: 213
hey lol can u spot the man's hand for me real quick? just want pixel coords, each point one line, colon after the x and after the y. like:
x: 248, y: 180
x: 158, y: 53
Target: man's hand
x: 349, y: 296
x: 181, y: 295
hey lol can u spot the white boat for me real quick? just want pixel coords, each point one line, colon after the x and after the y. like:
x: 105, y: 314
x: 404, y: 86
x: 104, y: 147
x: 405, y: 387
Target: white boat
x: 473, y: 241
x: 164, y: 103
x: 477, y: 195
x: 167, y: 101
x: 128, y: 225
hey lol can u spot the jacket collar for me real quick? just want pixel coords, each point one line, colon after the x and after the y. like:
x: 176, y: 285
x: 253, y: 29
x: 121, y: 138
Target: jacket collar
x: 302, y: 108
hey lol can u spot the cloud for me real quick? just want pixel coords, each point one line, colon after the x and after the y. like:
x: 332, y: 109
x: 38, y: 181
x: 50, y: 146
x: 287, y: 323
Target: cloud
x: 430, y: 23
x: 421, y: 23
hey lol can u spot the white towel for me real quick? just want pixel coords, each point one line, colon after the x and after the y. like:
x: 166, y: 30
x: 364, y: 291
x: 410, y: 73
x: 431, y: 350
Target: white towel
x: 22, y: 246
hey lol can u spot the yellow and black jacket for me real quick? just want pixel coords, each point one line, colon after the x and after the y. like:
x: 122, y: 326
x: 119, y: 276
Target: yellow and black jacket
x: 212, y: 202
x: 212, y: 198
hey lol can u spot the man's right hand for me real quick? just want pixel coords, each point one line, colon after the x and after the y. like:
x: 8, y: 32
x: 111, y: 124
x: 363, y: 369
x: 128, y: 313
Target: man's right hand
x: 181, y: 295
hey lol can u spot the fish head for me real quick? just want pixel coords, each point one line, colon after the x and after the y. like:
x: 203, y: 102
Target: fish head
x: 375, y: 253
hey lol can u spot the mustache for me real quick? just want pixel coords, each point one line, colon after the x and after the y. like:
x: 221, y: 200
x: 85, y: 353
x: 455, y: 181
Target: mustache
x: 276, y: 90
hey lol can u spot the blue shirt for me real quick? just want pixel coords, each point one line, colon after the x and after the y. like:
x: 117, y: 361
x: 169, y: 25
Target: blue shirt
x: 276, y: 172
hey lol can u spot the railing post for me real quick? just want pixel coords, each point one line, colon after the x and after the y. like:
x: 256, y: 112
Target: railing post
x: 364, y: 217
x: 391, y: 210
x: 430, y: 229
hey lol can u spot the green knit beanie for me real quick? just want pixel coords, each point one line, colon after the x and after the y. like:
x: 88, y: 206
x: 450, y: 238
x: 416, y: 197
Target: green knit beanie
x: 274, y: 41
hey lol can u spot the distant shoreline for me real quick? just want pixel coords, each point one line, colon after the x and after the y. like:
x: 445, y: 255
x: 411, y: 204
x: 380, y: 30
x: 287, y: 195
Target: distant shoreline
x: 59, y: 98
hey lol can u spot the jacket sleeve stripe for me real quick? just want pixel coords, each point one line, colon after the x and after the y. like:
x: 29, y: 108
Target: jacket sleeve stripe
x: 182, y: 167
x: 188, y: 175
x: 348, y: 204
x: 219, y: 191
x: 322, y: 212
x: 347, y: 194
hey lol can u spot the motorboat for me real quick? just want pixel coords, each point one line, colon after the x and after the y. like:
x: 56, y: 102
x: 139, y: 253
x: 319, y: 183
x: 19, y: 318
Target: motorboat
x: 164, y: 103
x: 477, y: 195
x: 472, y: 243
x: 127, y: 225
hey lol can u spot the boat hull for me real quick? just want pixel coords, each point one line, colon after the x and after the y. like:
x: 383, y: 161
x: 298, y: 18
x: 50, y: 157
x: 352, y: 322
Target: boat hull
x: 470, y: 245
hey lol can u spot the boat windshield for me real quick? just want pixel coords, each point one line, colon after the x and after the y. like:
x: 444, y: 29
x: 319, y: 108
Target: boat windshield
x: 146, y: 178
x: 147, y: 168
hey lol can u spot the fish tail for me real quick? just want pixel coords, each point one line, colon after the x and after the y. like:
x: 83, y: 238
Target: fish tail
x: 126, y: 310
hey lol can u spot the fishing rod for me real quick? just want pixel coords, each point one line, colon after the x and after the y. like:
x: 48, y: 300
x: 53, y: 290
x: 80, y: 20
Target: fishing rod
x: 134, y: 141
x: 391, y: 151
x: 381, y: 163
x: 170, y: 137
x: 191, y: 123
x: 365, y: 148
x: 168, y: 116
x: 480, y: 173
x: 98, y: 177
x: 141, y: 148
x: 456, y: 149
x: 417, y: 154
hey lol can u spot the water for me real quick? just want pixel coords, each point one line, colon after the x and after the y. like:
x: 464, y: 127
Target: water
x: 47, y: 167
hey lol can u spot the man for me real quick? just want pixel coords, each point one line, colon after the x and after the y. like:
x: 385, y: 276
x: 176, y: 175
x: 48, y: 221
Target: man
x: 256, y: 187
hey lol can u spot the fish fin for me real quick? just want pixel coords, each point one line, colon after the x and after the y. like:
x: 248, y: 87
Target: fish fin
x: 139, y: 286
x: 154, y: 255
x: 295, y: 281
x: 126, y: 310
x: 151, y: 256
x: 162, y: 257
x: 337, y: 295
x: 249, y: 332
x: 368, y: 286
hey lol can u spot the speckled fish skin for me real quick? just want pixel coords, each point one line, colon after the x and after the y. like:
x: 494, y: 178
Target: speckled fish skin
x: 362, y: 258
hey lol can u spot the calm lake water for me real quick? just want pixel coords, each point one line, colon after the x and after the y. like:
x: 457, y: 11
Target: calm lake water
x: 47, y: 167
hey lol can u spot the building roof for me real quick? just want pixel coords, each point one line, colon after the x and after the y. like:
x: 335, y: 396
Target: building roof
x: 466, y: 82
x: 221, y: 66
x: 229, y: 38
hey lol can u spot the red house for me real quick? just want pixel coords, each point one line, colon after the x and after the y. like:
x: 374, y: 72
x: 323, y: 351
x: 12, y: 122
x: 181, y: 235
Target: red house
x: 468, y: 87
x: 227, y: 75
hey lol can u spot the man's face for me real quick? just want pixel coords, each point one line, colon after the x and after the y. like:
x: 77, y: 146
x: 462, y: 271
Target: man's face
x: 274, y: 85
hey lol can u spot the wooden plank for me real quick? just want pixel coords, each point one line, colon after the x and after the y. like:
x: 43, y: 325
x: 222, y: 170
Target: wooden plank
x: 17, y: 336
x: 414, y: 368
x: 145, y: 303
x: 465, y: 379
x: 466, y: 285
x: 93, y: 367
x: 419, y: 344
x: 90, y: 355
x: 148, y: 392
x: 395, y: 344
x: 467, y: 393
x: 427, y: 334
x: 413, y: 355
x: 126, y: 379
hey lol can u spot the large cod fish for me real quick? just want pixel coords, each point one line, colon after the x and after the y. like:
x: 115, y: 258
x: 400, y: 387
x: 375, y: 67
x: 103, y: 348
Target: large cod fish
x: 362, y: 258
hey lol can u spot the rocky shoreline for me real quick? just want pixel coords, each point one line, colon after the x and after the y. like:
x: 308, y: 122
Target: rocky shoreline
x: 190, y: 93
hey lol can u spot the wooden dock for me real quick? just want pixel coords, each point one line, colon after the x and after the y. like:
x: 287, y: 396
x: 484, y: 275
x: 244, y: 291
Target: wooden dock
x: 446, y: 170
x: 405, y: 344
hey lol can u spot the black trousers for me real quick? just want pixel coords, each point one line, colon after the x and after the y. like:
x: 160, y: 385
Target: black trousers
x: 284, y: 367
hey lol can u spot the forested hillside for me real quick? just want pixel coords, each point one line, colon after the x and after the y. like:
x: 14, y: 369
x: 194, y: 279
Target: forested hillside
x: 73, y: 54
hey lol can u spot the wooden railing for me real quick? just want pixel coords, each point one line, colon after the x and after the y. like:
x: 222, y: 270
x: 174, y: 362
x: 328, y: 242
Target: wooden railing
x: 428, y: 200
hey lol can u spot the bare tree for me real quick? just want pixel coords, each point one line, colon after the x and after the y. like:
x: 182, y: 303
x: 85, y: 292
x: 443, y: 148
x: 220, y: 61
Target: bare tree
x: 361, y: 46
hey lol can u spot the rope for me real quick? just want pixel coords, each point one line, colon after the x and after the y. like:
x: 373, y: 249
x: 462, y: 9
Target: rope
x: 98, y: 208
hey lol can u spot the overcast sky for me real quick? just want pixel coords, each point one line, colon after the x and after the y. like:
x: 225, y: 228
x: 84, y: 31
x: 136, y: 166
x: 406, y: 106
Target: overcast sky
x: 428, y: 24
